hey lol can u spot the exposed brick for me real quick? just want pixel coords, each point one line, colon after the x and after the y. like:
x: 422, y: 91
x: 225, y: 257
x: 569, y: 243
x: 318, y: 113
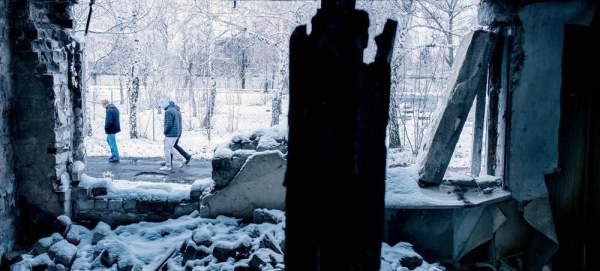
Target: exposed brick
x: 185, y: 209
x: 158, y: 206
x: 84, y: 205
x: 100, y: 204
x: 115, y: 205
x: 144, y: 206
x: 80, y: 193
x: 129, y: 204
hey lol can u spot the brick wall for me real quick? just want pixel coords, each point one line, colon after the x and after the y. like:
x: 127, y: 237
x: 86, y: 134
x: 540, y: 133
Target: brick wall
x: 47, y: 111
x: 7, y: 176
x: 114, y: 211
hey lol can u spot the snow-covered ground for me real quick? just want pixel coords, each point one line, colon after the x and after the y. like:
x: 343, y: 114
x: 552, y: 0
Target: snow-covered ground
x: 235, y: 113
x: 146, y: 244
x: 219, y: 244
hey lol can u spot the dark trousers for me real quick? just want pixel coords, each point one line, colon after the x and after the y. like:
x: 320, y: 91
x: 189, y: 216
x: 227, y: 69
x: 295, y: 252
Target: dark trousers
x: 180, y: 150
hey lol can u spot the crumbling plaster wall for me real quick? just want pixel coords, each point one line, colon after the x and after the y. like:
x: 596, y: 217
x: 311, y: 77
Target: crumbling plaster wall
x: 48, y: 111
x: 8, y: 209
x: 531, y: 86
x: 534, y: 92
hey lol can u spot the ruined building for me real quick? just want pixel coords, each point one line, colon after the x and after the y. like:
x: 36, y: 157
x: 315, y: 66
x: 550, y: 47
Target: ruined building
x: 543, y: 137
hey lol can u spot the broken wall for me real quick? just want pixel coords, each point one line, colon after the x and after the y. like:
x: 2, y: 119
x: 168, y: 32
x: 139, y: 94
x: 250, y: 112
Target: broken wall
x: 47, y: 112
x: 8, y: 210
x: 530, y: 81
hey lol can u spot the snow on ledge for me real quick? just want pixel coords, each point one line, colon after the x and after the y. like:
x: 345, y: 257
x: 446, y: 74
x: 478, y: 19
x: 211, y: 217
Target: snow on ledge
x: 125, y: 190
x: 403, y: 192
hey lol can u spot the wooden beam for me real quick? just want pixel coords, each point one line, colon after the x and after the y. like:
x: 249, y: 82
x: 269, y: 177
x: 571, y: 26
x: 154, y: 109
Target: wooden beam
x: 478, y: 132
x: 338, y: 113
x: 468, y: 76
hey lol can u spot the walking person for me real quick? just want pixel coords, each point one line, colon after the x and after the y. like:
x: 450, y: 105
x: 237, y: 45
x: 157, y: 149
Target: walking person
x: 171, y: 132
x: 112, y: 126
x: 181, y: 151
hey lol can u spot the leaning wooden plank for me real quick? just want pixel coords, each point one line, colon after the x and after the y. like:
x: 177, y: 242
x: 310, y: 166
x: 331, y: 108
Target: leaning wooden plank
x: 478, y: 132
x: 468, y: 75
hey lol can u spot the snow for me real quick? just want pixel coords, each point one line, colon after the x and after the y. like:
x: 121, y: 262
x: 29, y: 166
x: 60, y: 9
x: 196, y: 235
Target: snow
x: 403, y: 191
x: 122, y: 247
x: 65, y: 182
x: 203, y: 184
x: 124, y: 243
x: 65, y: 220
x: 144, y: 244
x: 125, y: 189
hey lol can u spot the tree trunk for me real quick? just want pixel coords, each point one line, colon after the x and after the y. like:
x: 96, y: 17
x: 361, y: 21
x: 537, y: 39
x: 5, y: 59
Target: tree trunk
x: 189, y: 84
x: 135, y: 79
x: 121, y: 89
x: 394, y: 126
x: 212, y: 95
x: 133, y: 100
x: 243, y: 69
x: 276, y: 106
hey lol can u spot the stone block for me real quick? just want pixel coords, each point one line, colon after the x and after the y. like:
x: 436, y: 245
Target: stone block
x: 158, y: 206
x: 225, y: 168
x: 101, y: 204
x: 62, y: 225
x: 99, y: 191
x: 73, y: 236
x: 200, y: 188
x: 411, y: 261
x: 101, y: 231
x: 185, y: 209
x: 40, y: 262
x: 144, y: 206
x: 260, y: 216
x: 79, y: 193
x: 262, y: 258
x: 202, y: 237
x: 42, y: 245
x: 258, y: 185
x: 194, y: 253
x: 268, y: 241
x: 129, y: 204
x: 222, y: 253
x: 84, y: 205
x: 243, y: 251
x: 63, y: 252
x: 170, y: 205
x: 115, y: 205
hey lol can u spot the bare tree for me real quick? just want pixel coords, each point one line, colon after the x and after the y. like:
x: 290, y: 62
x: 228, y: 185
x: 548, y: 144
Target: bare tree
x: 448, y: 18
x: 405, y: 10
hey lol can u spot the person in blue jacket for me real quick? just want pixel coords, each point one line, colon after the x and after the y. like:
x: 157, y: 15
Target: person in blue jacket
x: 112, y: 126
x: 171, y: 131
x: 185, y: 154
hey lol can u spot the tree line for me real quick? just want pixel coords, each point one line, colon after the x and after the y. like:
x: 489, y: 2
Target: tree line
x: 182, y: 48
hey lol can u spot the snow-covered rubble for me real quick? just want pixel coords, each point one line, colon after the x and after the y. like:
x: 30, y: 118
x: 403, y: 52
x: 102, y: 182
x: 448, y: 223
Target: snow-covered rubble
x: 186, y: 243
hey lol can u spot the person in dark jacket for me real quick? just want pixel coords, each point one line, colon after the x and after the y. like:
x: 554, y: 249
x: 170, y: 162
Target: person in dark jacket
x: 112, y: 126
x: 171, y: 131
x: 186, y: 155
